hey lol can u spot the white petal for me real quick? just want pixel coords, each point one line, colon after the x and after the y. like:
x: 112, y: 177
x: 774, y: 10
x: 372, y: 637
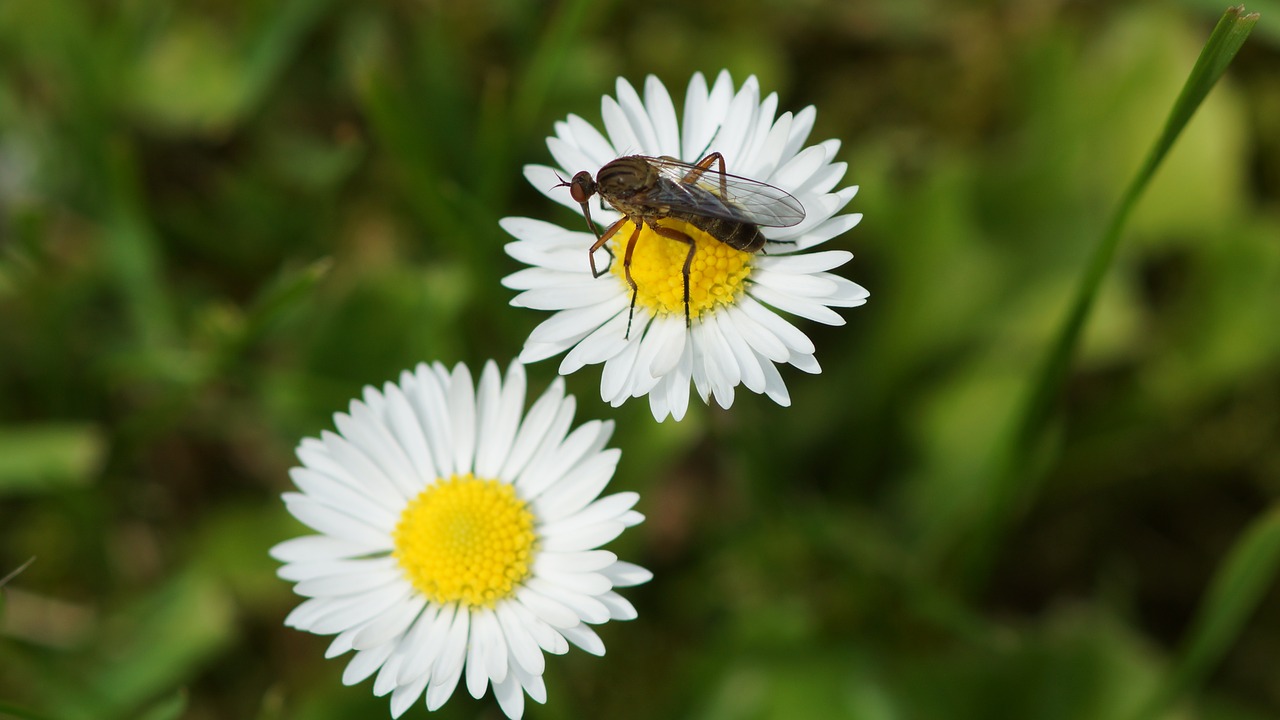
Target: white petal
x: 698, y: 125
x: 806, y: 263
x: 774, y: 387
x: 361, y: 608
x: 299, y: 571
x: 795, y: 305
x: 637, y: 117
x: 510, y: 697
x: 427, y: 397
x: 390, y: 625
x: 746, y: 361
x: 621, y: 134
x: 535, y: 476
x: 663, y: 114
x: 543, y: 633
x: 455, y: 646
x: 323, y: 489
x: 588, y: 561
x: 477, y: 679
x: 365, y: 663
x: 619, y: 607
x: 350, y: 464
x: 380, y: 447
x: 405, y: 696
x: 408, y: 431
x: 586, y: 583
x: 533, y: 429
x: 604, y: 509
x: 668, y: 336
x: 625, y: 574
x: 330, y: 521
x: 585, y: 638
x: 552, y: 612
x: 578, y: 487
x: 578, y: 292
x: 591, y: 142
x: 550, y: 467
x: 427, y: 641
x: 441, y: 688
x: 520, y: 641
x: 532, y: 682
x: 790, y: 336
x: 585, y: 607
x: 462, y: 410
x: 577, y: 323
x: 570, y: 157
x: 311, y: 548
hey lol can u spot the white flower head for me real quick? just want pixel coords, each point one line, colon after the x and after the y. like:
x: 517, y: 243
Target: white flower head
x: 457, y: 536
x: 735, y: 336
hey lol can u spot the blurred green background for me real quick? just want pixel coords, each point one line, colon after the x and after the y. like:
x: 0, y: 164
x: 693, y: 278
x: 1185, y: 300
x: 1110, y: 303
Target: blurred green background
x: 219, y: 220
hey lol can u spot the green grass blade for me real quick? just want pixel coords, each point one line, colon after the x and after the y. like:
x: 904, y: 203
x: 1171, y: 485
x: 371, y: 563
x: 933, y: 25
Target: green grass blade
x: 1222, y: 46
x: 1018, y: 465
x: 1236, y: 590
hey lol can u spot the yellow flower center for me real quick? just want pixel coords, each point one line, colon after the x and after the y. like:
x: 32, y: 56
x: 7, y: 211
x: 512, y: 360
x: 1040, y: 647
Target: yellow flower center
x: 657, y: 266
x: 467, y: 540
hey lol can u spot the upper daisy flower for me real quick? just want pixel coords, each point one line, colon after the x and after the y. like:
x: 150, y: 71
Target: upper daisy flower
x: 676, y: 303
x: 456, y: 537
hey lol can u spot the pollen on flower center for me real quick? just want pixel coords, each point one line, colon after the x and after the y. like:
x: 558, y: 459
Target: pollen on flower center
x: 465, y: 539
x: 657, y: 266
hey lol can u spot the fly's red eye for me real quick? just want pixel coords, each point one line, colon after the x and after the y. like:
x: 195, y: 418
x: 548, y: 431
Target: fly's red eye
x: 582, y: 187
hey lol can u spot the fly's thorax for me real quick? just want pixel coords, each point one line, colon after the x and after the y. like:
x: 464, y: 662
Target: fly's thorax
x: 626, y: 177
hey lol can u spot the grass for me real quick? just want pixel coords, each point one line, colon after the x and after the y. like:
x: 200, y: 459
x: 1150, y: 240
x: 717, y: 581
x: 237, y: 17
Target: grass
x: 1036, y: 479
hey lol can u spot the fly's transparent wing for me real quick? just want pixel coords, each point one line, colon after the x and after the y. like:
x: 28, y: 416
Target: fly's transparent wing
x: 711, y: 193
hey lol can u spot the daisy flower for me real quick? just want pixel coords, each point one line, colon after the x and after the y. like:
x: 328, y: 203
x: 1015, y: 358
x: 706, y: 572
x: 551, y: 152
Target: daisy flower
x: 457, y: 537
x: 736, y: 335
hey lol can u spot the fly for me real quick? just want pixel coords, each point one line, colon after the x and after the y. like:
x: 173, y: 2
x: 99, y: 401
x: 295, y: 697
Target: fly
x: 645, y: 190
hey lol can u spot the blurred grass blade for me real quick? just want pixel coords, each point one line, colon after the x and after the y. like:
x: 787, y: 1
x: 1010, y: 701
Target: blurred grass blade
x: 285, y: 293
x: 13, y: 711
x: 276, y: 45
x: 16, y: 572
x: 170, y: 708
x: 47, y: 457
x: 544, y: 67
x: 1236, y: 590
x: 1218, y: 52
x: 1016, y: 466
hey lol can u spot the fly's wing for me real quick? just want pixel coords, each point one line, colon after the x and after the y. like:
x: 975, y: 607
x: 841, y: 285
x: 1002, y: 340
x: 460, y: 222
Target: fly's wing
x: 710, y: 193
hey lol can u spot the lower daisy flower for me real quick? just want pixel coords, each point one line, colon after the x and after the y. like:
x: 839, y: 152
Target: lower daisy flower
x: 457, y: 537
x: 728, y: 333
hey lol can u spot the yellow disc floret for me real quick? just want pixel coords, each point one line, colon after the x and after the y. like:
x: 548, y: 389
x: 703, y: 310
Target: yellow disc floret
x: 657, y: 266
x: 467, y: 540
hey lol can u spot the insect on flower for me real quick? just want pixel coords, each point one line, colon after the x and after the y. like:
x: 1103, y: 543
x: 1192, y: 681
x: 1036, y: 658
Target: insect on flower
x: 646, y: 190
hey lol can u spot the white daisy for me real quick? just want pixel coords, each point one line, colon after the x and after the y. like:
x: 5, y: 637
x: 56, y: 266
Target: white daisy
x: 456, y: 538
x: 736, y: 336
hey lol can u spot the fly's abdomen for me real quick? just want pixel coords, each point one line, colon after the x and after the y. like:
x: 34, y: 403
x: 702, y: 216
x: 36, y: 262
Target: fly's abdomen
x: 736, y: 234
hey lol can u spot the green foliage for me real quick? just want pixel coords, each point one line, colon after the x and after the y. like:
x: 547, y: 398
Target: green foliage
x: 218, y: 221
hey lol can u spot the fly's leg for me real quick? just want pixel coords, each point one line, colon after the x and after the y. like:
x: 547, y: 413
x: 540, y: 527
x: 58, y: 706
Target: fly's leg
x: 703, y: 166
x: 604, y: 238
x: 674, y: 234
x: 626, y: 270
